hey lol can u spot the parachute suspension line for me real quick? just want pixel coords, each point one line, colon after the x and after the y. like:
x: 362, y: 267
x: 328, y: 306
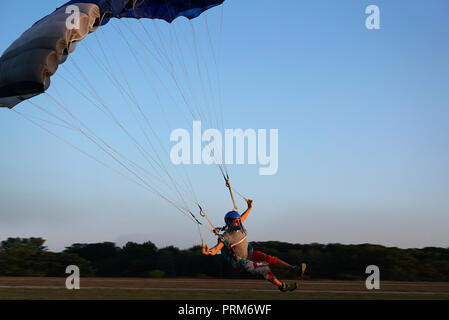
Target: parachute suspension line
x: 207, y: 98
x: 171, y: 67
x: 199, y: 106
x: 202, y: 213
x: 238, y: 193
x: 121, y: 89
x: 63, y: 123
x: 206, y: 115
x: 187, y: 76
x: 141, y: 68
x: 214, y: 230
x: 102, y: 141
x: 231, y: 189
x: 92, y: 157
x: 196, y: 105
x: 207, y: 121
x: 139, y: 147
x: 163, y: 50
x: 186, y: 178
x: 144, y: 185
x: 228, y: 185
x: 216, y: 60
x: 200, y: 233
x: 159, y: 162
x: 219, y: 78
x: 172, y: 73
x: 206, y: 89
x: 153, y: 71
x: 222, y: 167
x: 28, y: 118
x: 215, y: 91
x: 221, y: 164
x: 128, y: 161
x: 209, y: 47
x: 159, y: 56
x: 188, y: 184
x: 185, y: 71
x: 220, y: 93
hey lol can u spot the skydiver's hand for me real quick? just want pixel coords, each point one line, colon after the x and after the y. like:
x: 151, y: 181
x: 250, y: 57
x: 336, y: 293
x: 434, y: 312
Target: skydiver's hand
x: 205, y: 250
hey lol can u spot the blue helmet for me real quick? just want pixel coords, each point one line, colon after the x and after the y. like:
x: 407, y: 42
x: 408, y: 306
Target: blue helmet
x: 232, y: 215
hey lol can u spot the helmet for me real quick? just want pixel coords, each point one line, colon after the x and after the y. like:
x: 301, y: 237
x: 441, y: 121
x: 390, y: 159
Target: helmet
x: 232, y: 215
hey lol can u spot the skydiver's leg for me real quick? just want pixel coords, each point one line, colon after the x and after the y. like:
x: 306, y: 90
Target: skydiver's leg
x: 262, y: 268
x: 283, y: 264
x: 259, y: 256
x: 275, y: 281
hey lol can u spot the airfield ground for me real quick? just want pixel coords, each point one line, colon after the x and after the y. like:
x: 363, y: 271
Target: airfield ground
x: 44, y: 288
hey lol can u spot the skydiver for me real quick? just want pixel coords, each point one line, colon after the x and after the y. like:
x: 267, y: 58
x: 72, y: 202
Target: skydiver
x: 235, y: 248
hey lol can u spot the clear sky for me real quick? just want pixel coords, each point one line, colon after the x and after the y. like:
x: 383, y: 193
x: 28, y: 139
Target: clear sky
x: 363, y: 120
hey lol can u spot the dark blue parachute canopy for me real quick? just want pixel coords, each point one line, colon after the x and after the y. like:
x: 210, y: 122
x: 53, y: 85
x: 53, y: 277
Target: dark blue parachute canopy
x: 27, y: 65
x: 167, y: 10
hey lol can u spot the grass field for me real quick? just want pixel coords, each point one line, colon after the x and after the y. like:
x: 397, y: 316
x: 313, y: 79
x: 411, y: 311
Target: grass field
x: 42, y: 288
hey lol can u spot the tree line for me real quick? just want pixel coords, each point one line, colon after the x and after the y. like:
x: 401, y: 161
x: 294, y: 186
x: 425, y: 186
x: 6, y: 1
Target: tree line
x: 29, y: 257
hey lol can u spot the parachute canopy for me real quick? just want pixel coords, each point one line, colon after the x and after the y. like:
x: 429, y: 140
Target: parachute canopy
x: 27, y: 65
x: 167, y: 10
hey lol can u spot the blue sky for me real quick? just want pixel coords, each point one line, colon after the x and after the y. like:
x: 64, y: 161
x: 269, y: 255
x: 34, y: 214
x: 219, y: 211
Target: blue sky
x: 363, y: 119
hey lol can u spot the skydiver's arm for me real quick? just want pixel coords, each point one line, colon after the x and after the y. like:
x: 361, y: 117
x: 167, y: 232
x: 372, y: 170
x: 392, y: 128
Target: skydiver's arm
x: 212, y: 251
x: 245, y: 214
